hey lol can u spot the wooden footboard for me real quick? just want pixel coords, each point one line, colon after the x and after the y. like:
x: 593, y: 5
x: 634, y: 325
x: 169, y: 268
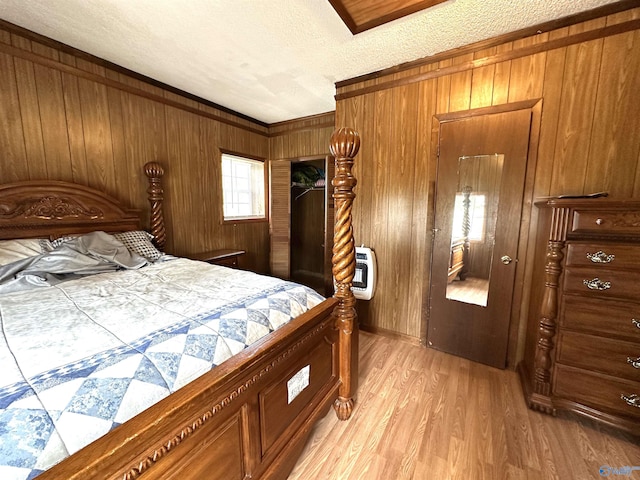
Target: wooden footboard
x: 248, y: 418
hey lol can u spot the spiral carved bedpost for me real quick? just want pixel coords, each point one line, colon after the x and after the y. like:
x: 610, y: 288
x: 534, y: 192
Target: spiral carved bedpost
x: 345, y: 144
x: 155, y: 172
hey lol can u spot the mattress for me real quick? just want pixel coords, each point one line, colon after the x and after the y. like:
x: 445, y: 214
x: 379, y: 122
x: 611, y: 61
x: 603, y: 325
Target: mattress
x: 81, y: 357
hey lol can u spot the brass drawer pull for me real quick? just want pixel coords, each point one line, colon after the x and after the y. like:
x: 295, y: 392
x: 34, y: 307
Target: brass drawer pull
x: 636, y: 322
x: 597, y: 284
x: 632, y: 400
x: 635, y: 363
x: 600, y: 257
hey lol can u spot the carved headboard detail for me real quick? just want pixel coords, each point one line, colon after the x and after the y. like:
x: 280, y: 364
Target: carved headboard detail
x: 46, y: 208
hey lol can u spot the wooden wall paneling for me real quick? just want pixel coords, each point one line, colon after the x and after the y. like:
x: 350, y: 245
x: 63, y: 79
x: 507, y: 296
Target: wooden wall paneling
x: 134, y: 82
x: 276, y: 147
x: 54, y: 124
x: 75, y: 132
x: 20, y: 42
x: 53, y: 119
x: 258, y: 144
x: 30, y: 117
x: 552, y: 96
x: 212, y: 180
x: 444, y: 89
x: 401, y: 203
x: 501, y: 77
x: 126, y: 174
x: 14, y: 164
x: 97, y: 136
x: 579, y: 88
x: 527, y: 73
x: 180, y: 99
x: 615, y: 138
x: 128, y: 133
x: 382, y: 169
x: 460, y: 93
x: 145, y: 137
x: 45, y: 51
x: 91, y: 67
x: 407, y: 201
x: 364, y: 122
x: 182, y: 158
x: 482, y: 81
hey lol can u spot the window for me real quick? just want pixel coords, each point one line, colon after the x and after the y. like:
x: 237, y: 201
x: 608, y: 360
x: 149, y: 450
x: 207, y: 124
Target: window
x: 477, y: 215
x: 243, y: 188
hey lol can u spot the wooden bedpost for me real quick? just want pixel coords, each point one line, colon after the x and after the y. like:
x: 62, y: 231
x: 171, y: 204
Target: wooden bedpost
x: 155, y: 172
x: 345, y: 144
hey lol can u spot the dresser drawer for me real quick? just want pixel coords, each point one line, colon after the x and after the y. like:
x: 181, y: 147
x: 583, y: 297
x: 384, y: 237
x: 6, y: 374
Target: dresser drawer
x: 604, y: 317
x: 600, y: 354
x: 603, y: 255
x: 594, y: 390
x: 603, y: 283
x: 603, y: 222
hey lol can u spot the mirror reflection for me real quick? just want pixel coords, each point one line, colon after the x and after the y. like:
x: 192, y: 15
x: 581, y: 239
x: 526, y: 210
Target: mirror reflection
x: 474, y: 215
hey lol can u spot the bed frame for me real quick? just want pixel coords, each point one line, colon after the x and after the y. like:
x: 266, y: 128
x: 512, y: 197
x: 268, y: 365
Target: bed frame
x: 235, y: 422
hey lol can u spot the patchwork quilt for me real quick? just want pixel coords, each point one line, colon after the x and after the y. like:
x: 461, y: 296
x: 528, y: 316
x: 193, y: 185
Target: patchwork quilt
x: 81, y: 357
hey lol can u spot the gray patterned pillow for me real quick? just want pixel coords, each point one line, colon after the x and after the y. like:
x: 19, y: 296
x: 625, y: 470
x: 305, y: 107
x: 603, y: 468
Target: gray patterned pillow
x: 139, y: 242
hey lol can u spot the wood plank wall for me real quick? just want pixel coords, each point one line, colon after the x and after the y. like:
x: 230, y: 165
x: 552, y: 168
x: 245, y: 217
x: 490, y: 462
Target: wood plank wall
x: 588, y: 76
x: 65, y: 117
x: 300, y: 138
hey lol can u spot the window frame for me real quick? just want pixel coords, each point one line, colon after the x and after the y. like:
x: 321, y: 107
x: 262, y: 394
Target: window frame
x: 263, y: 160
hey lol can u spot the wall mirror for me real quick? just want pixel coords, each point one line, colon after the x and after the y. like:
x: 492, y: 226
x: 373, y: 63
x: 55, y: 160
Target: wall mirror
x: 473, y: 228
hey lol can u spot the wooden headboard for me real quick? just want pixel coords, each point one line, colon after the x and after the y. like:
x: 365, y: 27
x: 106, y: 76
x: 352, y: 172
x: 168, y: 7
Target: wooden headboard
x: 48, y: 208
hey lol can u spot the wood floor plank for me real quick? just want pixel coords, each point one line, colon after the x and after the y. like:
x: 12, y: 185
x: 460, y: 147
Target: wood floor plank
x: 424, y: 414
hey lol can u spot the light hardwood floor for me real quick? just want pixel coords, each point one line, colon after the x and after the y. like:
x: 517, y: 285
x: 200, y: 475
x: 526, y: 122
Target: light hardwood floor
x: 424, y: 414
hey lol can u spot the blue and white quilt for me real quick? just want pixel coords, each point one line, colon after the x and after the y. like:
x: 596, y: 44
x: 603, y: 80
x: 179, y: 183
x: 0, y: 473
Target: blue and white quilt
x: 81, y: 357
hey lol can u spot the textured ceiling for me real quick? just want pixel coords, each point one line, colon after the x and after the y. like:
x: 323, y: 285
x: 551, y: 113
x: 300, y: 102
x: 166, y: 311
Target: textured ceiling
x: 272, y: 60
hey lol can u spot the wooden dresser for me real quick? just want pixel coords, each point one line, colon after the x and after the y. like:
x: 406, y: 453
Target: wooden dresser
x: 582, y: 348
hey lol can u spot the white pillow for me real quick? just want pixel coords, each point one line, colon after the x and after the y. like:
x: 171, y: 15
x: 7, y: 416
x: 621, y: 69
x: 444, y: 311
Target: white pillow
x: 13, y: 250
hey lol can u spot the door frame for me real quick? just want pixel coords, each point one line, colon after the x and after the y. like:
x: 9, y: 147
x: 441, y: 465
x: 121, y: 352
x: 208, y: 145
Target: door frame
x: 524, y: 266
x: 329, y: 213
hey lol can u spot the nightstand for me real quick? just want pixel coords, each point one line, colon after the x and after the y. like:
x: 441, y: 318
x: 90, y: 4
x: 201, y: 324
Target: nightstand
x: 224, y: 257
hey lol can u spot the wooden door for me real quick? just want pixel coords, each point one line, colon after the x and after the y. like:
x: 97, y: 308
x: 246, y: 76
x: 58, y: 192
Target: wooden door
x: 480, y: 182
x: 280, y: 216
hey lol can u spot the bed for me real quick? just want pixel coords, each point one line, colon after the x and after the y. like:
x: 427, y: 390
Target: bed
x: 282, y: 355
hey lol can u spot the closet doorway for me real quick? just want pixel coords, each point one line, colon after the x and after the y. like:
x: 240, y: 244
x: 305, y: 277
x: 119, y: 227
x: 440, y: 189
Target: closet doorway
x: 301, y: 221
x: 482, y: 165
